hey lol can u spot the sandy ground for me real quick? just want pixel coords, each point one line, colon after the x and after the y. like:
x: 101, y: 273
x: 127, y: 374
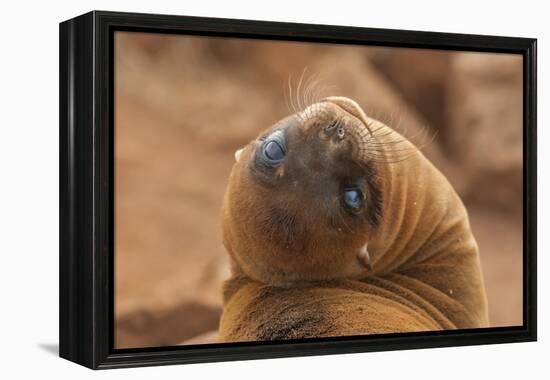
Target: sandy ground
x: 179, y: 117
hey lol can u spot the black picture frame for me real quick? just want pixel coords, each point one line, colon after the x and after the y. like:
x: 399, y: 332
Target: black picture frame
x: 87, y: 194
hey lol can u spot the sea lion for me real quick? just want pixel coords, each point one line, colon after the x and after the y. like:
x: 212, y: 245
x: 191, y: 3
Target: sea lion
x: 337, y: 225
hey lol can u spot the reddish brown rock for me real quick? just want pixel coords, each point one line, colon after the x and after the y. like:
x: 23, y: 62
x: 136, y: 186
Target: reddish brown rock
x: 421, y: 77
x: 485, y: 126
x: 184, y: 105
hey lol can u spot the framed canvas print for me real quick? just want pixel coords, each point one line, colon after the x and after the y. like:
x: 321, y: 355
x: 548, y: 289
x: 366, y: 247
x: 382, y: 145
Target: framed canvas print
x: 236, y: 189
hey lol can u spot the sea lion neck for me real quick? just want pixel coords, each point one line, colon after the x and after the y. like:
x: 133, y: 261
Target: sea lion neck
x: 417, y: 202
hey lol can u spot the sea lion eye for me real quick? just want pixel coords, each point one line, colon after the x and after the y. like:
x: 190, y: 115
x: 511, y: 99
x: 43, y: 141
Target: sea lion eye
x: 273, y: 150
x: 353, y: 198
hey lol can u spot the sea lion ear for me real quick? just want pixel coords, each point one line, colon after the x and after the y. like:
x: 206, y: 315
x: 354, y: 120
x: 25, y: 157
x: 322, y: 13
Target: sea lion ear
x: 364, y: 257
x: 238, y: 154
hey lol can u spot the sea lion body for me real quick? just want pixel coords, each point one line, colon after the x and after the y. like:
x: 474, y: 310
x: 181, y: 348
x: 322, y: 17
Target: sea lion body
x: 423, y: 269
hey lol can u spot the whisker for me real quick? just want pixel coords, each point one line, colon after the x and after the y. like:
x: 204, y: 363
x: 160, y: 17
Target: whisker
x: 292, y: 96
x: 311, y: 82
x: 396, y: 141
x: 290, y: 93
x: 309, y: 90
x: 299, y: 99
x: 381, y: 155
x: 286, y: 98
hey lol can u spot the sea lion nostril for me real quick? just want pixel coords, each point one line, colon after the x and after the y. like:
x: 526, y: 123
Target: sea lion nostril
x: 330, y: 127
x: 341, y: 132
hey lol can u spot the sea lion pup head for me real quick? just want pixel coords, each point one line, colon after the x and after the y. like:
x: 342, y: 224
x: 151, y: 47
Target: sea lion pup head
x: 304, y: 197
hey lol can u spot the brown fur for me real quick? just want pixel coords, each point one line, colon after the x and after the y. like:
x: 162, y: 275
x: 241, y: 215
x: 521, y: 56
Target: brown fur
x: 296, y: 272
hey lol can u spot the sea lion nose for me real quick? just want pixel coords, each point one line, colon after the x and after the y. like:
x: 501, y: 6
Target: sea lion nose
x: 351, y: 107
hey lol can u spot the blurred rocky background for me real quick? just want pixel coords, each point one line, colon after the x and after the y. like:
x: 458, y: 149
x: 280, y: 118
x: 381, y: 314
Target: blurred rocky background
x: 184, y: 104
